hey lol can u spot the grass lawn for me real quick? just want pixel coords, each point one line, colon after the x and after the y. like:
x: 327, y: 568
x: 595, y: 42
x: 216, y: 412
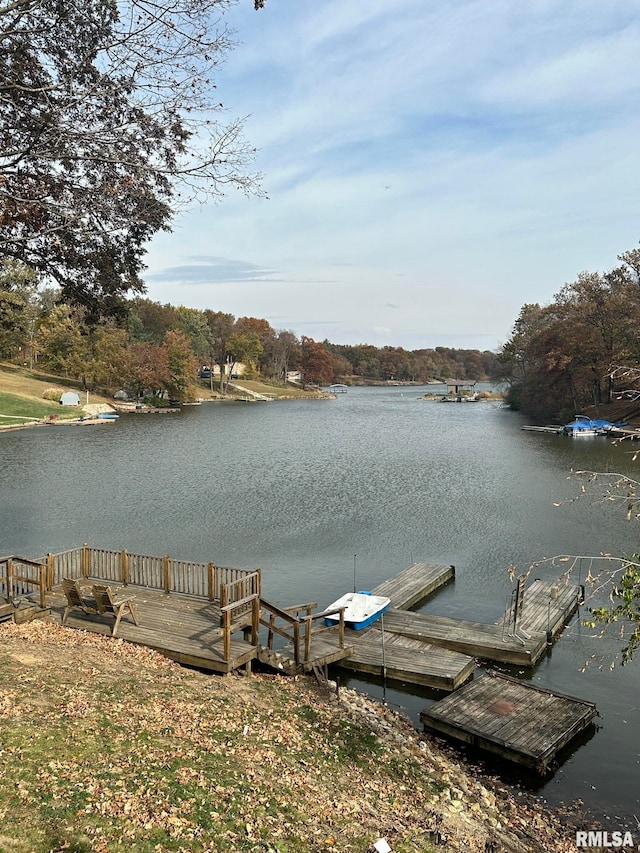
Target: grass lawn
x: 21, y: 396
x: 273, y: 390
x: 18, y: 410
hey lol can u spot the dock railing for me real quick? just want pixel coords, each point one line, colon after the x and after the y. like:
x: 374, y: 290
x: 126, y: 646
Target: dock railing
x: 203, y: 580
x: 241, y: 615
x: 20, y: 577
x: 296, y: 629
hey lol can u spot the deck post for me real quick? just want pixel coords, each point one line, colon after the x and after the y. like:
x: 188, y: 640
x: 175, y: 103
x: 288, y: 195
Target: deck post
x: 84, y: 560
x: 124, y: 567
x: 296, y: 642
x: 272, y: 622
x: 166, y: 574
x: 10, y: 579
x: 341, y: 630
x: 255, y: 620
x: 307, y: 639
x: 210, y: 582
x: 42, y: 581
x: 227, y: 635
x: 50, y: 570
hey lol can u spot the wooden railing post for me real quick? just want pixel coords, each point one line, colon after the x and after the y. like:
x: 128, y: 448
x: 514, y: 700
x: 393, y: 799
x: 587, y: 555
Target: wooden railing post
x: 296, y: 642
x: 307, y: 639
x: 341, y: 630
x: 272, y: 622
x: 42, y: 580
x: 124, y: 567
x: 10, y: 579
x: 211, y: 582
x: 84, y: 561
x: 51, y: 570
x: 255, y: 620
x: 166, y: 569
x: 227, y: 635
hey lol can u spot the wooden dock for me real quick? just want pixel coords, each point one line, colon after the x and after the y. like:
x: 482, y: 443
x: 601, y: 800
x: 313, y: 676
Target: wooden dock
x: 184, y: 629
x: 516, y: 720
x: 439, y: 651
x: 546, y: 609
x: 413, y: 584
x: 406, y: 659
x: 478, y: 639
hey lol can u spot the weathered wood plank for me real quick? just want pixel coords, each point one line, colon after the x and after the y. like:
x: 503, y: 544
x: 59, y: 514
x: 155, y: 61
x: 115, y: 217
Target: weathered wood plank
x: 405, y: 660
x: 517, y: 720
x: 183, y: 629
x: 490, y: 642
x: 413, y: 584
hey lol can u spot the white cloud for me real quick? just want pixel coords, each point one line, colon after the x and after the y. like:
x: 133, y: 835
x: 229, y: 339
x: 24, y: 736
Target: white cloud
x: 453, y: 160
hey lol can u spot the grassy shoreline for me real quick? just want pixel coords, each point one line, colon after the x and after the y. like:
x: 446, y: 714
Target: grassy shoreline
x: 108, y: 747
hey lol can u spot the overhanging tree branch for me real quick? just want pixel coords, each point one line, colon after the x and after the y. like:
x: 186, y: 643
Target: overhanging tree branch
x: 107, y: 124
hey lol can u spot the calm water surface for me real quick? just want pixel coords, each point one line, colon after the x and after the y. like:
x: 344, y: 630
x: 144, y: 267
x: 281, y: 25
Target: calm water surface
x: 373, y: 479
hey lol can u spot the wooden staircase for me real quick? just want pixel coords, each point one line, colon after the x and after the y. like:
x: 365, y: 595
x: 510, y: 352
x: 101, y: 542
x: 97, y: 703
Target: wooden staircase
x: 305, y: 647
x: 282, y: 663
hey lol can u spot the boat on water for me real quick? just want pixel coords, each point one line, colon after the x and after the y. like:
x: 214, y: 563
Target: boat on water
x: 107, y: 416
x: 582, y: 425
x: 361, y: 609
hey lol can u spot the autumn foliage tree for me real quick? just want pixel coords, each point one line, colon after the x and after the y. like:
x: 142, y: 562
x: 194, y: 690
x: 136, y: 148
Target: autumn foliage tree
x: 559, y: 357
x: 108, y: 120
x: 316, y: 363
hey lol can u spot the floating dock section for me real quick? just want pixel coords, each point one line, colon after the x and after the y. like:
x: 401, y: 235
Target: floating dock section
x: 516, y: 720
x: 439, y: 651
x: 391, y: 654
x: 545, y: 609
x: 518, y: 639
x: 480, y: 640
x: 413, y: 584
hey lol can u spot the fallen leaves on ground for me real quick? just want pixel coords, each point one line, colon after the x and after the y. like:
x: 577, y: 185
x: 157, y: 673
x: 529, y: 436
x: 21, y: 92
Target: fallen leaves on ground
x: 113, y: 746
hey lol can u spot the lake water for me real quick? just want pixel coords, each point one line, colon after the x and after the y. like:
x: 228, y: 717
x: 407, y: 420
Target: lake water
x: 371, y: 480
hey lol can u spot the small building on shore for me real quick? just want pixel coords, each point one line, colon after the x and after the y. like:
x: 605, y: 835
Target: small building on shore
x: 70, y: 398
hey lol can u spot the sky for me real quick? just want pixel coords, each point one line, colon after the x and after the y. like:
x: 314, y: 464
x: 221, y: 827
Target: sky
x: 430, y: 167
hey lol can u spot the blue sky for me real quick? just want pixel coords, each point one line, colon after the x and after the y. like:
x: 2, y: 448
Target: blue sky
x: 430, y: 167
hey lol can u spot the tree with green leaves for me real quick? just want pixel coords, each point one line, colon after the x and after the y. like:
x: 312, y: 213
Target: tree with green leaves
x: 109, y: 120
x: 182, y: 366
x: 63, y: 347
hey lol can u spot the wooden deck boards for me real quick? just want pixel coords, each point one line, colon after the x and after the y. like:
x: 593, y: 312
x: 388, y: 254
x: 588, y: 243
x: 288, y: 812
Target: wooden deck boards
x: 480, y: 640
x: 325, y: 649
x: 517, y: 720
x: 546, y: 607
x: 407, y: 659
x: 414, y: 584
x: 183, y: 629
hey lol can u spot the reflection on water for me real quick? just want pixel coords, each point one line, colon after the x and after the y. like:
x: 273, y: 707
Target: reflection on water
x: 377, y: 477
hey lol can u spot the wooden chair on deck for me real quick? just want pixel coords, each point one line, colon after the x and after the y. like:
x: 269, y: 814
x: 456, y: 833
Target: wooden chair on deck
x: 108, y: 607
x: 75, y: 598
